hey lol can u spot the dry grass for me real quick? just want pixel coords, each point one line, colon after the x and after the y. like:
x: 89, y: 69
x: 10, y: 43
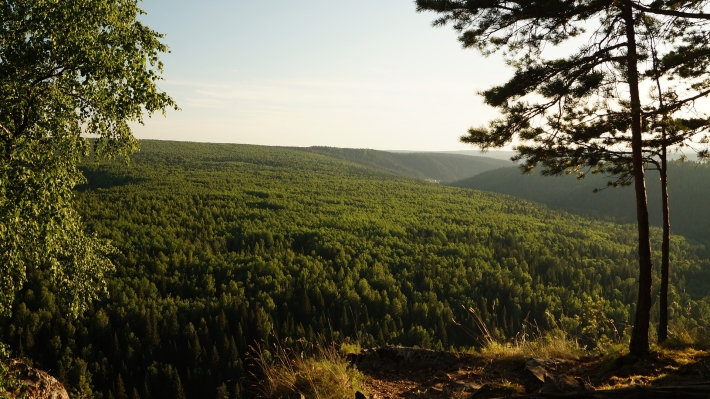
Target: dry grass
x: 555, y: 344
x: 350, y: 348
x: 685, y: 335
x: 680, y: 356
x: 319, y: 372
x: 532, y: 342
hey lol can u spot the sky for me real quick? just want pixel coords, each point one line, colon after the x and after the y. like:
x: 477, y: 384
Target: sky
x: 356, y: 74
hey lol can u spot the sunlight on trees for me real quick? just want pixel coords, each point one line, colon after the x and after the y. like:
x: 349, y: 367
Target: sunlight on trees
x: 67, y: 72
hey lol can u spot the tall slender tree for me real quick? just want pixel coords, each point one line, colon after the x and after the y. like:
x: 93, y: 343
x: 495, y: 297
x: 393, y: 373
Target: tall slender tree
x: 68, y: 71
x: 668, y: 133
x: 587, y: 111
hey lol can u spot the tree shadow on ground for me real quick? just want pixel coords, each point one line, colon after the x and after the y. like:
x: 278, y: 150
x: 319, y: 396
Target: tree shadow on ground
x: 101, y: 177
x: 422, y: 374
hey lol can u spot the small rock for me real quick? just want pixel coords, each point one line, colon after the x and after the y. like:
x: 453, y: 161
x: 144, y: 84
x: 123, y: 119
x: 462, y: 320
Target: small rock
x: 568, y: 383
x: 535, y: 370
x: 464, y: 387
x: 550, y: 387
x: 493, y: 391
x: 565, y: 384
x: 446, y: 391
x: 436, y: 390
x: 537, y: 378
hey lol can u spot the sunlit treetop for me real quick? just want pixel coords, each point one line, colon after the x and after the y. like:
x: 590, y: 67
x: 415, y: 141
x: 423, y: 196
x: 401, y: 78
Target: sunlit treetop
x: 69, y: 70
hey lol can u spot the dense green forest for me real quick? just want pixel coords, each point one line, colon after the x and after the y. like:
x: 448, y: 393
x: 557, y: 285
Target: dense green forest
x: 417, y: 165
x: 688, y: 186
x: 219, y: 246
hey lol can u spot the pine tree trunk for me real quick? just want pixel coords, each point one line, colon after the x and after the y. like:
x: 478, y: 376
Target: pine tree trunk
x: 663, y: 319
x: 639, y: 339
x: 665, y: 246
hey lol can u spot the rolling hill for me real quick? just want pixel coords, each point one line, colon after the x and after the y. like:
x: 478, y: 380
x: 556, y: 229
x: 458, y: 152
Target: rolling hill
x: 418, y: 165
x: 220, y: 248
x: 689, y: 194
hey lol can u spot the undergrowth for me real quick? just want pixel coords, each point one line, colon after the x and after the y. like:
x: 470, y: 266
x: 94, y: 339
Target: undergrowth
x: 10, y: 385
x: 317, y: 372
x: 532, y: 341
x: 591, y: 333
x: 687, y: 328
x: 350, y: 348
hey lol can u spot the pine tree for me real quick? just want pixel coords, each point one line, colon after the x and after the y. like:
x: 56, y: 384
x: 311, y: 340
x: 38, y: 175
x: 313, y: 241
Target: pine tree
x: 120, y: 388
x: 585, y: 112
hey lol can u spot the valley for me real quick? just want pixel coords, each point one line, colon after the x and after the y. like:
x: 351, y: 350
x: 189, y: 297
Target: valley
x: 222, y: 246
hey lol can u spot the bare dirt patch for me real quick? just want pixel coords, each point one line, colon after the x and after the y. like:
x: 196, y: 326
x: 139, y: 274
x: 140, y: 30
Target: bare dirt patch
x: 394, y: 372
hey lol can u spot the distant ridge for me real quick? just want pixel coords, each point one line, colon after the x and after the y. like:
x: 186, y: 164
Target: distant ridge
x: 689, y: 194
x: 496, y: 154
x: 444, y: 167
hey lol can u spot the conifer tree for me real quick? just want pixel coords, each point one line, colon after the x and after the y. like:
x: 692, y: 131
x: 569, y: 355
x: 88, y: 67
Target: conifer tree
x: 586, y: 111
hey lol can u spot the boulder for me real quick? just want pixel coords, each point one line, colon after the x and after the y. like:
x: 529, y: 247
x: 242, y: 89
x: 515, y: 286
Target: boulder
x: 535, y: 376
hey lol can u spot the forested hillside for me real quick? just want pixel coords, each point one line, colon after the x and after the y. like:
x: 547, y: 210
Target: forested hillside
x: 503, y: 155
x: 688, y: 186
x: 417, y: 165
x: 221, y: 245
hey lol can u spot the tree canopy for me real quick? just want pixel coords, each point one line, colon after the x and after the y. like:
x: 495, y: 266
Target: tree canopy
x: 587, y: 110
x: 222, y: 245
x: 68, y: 71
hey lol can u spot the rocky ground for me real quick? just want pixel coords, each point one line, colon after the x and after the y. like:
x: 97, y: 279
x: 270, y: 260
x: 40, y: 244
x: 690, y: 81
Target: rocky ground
x: 32, y: 383
x: 393, y: 372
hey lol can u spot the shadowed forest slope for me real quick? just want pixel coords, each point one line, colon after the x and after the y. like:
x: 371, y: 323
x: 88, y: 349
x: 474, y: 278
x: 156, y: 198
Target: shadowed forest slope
x: 418, y: 165
x: 688, y: 186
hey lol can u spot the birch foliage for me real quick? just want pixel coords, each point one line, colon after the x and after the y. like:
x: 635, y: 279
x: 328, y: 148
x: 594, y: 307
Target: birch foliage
x: 69, y: 70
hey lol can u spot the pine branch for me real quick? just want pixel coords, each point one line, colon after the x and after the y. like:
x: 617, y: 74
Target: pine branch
x: 672, y: 13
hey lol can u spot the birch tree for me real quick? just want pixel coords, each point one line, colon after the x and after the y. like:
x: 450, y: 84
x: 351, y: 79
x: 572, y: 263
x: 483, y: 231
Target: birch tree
x: 69, y: 70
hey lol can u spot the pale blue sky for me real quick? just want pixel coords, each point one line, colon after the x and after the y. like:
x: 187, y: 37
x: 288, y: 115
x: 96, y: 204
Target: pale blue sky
x: 363, y: 74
